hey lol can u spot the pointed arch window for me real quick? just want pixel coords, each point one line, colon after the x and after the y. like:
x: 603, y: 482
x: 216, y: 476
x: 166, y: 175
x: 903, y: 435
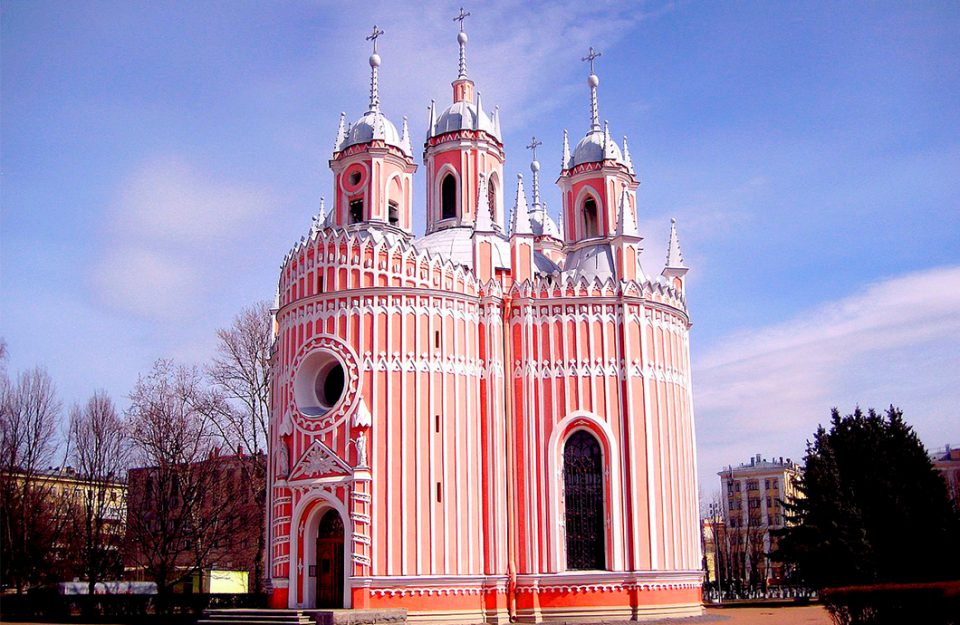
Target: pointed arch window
x: 448, y: 197
x: 583, y: 502
x: 492, y: 198
x: 590, y: 227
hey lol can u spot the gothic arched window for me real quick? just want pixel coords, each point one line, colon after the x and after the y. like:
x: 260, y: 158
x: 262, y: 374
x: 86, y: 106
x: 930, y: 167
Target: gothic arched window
x: 583, y: 501
x: 448, y: 197
x: 492, y: 199
x: 590, y: 219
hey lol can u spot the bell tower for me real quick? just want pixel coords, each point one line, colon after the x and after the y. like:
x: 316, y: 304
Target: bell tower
x: 593, y: 178
x: 373, y: 167
x: 463, y: 145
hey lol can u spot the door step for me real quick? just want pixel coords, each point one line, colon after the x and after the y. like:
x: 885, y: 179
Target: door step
x: 241, y: 616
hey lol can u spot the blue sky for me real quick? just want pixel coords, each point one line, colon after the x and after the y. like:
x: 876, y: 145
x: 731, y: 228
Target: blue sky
x: 159, y: 159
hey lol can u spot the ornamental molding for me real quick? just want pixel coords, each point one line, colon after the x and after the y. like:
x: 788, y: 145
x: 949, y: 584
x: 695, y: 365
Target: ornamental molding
x: 345, y: 406
x: 317, y: 462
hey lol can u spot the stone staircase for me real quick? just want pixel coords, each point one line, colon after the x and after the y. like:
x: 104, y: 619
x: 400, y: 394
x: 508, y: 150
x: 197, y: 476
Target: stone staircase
x: 241, y: 616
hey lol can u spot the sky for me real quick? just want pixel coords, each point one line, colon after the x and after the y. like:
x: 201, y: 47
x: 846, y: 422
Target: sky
x: 159, y: 159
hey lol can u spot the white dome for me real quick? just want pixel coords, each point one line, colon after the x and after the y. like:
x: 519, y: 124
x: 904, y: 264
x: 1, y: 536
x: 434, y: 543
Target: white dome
x: 463, y: 116
x: 374, y: 126
x: 590, y: 149
x: 543, y: 224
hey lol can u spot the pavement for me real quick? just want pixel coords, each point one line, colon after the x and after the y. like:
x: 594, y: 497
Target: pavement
x: 779, y: 615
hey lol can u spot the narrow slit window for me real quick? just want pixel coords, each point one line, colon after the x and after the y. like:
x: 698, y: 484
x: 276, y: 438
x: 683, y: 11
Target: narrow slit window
x: 439, y: 492
x: 437, y: 424
x: 436, y: 339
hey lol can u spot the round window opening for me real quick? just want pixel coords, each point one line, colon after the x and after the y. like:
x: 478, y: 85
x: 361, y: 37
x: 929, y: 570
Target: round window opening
x: 319, y: 384
x: 355, y: 178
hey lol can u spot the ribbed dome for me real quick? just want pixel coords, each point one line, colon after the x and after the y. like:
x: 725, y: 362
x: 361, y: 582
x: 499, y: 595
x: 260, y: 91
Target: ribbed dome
x: 463, y: 116
x: 590, y: 149
x: 374, y: 126
x: 543, y: 224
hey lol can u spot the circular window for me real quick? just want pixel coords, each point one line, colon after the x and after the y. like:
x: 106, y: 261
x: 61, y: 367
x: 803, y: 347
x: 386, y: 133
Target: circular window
x: 319, y: 383
x: 355, y: 178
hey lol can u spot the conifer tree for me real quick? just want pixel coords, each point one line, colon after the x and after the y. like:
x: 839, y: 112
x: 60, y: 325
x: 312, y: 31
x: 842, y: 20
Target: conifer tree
x: 872, y: 509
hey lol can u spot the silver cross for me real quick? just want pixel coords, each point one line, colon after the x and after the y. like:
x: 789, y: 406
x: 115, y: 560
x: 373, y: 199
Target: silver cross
x: 534, y: 144
x: 593, y: 54
x: 463, y: 15
x: 375, y: 35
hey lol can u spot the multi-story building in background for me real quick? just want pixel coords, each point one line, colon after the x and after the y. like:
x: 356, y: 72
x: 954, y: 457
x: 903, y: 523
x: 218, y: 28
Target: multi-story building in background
x: 752, y: 496
x: 194, y: 527
x: 947, y: 462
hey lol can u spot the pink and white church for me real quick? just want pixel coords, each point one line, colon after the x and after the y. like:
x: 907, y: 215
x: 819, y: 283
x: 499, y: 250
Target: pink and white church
x: 492, y: 422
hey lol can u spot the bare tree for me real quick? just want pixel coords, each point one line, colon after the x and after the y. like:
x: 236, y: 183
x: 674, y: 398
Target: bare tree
x: 754, y: 534
x: 100, y: 452
x: 183, y: 506
x: 30, y: 514
x: 240, y: 371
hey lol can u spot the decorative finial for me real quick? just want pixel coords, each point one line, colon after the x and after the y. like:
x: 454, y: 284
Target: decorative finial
x: 606, y: 140
x: 593, y: 81
x: 341, y: 132
x: 674, y: 255
x: 462, y: 40
x: 374, y: 70
x: 627, y: 219
x: 566, y: 151
x: 432, y: 122
x: 626, y: 155
x: 484, y: 210
x: 535, y: 169
x: 319, y: 220
x: 405, y: 138
x: 521, y: 218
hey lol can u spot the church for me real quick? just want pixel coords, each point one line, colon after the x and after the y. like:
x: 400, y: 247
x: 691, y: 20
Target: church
x: 492, y: 422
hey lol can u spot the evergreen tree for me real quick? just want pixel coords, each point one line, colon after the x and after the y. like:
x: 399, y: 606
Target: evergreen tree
x: 872, y: 508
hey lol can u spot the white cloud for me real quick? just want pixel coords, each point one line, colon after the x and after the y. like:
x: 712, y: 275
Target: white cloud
x: 897, y: 341
x: 168, y: 199
x: 171, y: 230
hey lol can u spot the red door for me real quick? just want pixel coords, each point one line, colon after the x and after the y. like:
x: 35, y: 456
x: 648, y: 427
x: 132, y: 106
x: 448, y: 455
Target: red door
x: 330, y: 561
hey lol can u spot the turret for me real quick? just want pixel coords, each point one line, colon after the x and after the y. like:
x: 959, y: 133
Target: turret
x: 373, y: 167
x: 593, y: 176
x: 463, y: 143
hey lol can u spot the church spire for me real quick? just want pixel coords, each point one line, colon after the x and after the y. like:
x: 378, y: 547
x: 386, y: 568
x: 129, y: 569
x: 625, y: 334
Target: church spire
x: 341, y: 133
x: 593, y: 81
x: 374, y: 71
x: 566, y: 151
x: 462, y: 40
x: 535, y: 170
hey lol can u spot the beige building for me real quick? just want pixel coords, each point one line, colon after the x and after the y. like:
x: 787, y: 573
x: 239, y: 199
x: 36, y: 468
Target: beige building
x: 753, y: 494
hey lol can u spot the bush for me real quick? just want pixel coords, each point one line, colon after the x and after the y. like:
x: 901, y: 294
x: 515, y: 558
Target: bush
x: 936, y: 603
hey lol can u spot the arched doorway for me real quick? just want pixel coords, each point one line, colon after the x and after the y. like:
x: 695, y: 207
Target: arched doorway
x: 329, y: 567
x: 583, y: 500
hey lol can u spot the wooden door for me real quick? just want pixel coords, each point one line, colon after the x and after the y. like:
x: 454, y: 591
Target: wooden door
x: 330, y: 561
